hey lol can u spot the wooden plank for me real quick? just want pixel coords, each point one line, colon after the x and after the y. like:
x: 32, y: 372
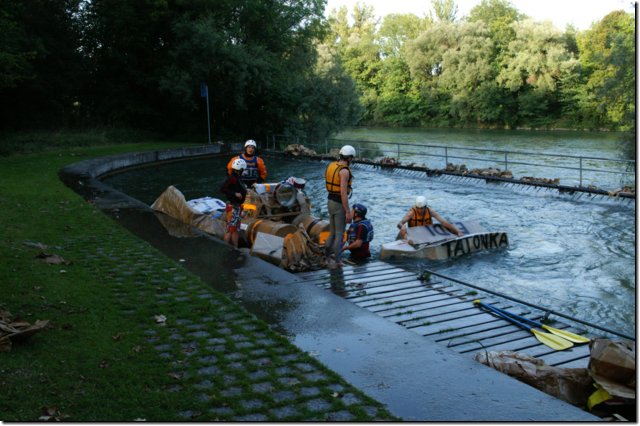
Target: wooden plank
x: 525, y: 344
x: 439, y: 309
x: 400, y: 296
x: 357, y: 285
x: 577, y: 363
x: 438, y: 327
x: 506, y: 335
x: 382, y: 290
x: 417, y: 303
x: 368, y: 302
x: 481, y: 330
x: 339, y: 275
x: 458, y: 341
x: 369, y: 283
x: 559, y: 357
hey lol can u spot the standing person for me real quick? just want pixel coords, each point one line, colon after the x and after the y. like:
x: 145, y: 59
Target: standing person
x: 236, y: 193
x: 338, y: 179
x: 421, y: 215
x: 256, y: 171
x: 359, y: 234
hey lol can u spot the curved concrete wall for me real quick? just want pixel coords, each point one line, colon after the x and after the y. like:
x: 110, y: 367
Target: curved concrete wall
x: 83, y: 176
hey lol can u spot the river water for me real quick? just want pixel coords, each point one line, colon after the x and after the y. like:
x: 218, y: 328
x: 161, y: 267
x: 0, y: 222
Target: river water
x: 571, y: 253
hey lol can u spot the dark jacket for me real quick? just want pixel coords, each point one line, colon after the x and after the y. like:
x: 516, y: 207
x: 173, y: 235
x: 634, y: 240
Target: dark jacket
x: 231, y: 185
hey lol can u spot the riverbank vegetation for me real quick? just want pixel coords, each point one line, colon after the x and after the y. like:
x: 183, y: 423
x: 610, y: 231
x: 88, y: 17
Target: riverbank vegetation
x: 493, y: 68
x: 282, y: 67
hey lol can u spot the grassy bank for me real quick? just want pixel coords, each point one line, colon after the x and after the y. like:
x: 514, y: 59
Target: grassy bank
x: 95, y: 360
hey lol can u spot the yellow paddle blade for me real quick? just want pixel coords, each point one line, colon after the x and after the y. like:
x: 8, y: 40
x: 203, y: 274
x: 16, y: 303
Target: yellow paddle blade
x: 554, y: 342
x: 575, y: 338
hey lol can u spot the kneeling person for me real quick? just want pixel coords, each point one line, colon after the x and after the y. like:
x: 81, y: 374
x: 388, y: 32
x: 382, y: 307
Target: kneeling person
x: 359, y: 234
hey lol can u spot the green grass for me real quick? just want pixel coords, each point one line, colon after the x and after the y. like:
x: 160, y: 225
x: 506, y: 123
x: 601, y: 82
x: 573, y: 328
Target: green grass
x: 95, y: 361
x: 75, y: 364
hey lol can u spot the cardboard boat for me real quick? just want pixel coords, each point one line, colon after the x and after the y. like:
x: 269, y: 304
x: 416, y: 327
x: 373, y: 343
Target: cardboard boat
x: 434, y: 242
x: 277, y: 227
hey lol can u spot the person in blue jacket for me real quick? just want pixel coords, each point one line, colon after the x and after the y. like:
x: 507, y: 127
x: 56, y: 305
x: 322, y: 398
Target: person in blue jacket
x: 359, y: 234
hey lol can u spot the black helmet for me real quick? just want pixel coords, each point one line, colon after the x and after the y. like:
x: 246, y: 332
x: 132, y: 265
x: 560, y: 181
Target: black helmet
x: 360, y: 209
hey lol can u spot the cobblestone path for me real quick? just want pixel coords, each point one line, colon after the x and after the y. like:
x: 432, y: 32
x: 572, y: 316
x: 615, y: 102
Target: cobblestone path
x: 229, y: 365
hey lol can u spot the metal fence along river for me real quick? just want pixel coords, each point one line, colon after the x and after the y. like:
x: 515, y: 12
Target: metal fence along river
x: 570, y: 170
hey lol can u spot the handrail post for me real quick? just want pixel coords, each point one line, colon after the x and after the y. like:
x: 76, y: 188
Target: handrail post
x: 506, y: 163
x: 446, y: 157
x: 398, y: 152
x: 580, y: 172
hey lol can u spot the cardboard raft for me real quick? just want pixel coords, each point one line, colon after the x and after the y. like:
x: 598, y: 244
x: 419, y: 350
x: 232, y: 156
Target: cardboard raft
x: 434, y: 242
x: 285, y: 245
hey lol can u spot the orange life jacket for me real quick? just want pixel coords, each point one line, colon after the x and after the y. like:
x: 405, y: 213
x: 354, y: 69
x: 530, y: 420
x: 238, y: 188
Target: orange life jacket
x: 332, y: 178
x: 420, y: 219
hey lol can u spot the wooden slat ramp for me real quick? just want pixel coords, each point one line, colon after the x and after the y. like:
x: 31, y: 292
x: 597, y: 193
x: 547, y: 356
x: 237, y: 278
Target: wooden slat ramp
x: 443, y: 310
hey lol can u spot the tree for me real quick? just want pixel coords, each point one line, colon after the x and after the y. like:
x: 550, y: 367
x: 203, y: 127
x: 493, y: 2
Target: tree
x: 454, y: 62
x: 396, y: 30
x: 607, y: 55
x: 40, y: 62
x: 259, y: 59
x: 498, y: 15
x: 128, y: 43
x: 444, y: 10
x: 356, y: 45
x: 15, y: 59
x: 536, y: 58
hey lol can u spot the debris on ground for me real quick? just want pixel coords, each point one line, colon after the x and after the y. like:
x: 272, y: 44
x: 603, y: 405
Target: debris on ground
x: 573, y: 385
x: 606, y: 388
x: 613, y: 368
x: 16, y: 330
x: 52, y: 414
x: 52, y: 259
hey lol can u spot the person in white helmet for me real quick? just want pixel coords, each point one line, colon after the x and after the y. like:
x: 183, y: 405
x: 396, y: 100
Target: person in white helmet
x: 421, y: 215
x: 256, y: 171
x: 338, y: 179
x: 236, y: 192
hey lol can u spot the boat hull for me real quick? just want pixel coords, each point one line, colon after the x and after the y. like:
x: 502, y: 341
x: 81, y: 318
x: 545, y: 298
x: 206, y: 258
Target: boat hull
x: 435, y: 243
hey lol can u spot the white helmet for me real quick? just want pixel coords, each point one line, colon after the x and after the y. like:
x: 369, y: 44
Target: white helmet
x: 250, y: 142
x: 348, y: 151
x: 421, y: 201
x: 239, y: 164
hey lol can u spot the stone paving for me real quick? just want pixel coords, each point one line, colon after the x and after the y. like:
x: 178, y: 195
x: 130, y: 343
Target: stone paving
x: 229, y: 365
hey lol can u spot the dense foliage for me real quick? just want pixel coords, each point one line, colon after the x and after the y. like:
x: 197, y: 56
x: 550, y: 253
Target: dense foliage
x: 140, y: 63
x: 276, y: 66
x: 493, y: 68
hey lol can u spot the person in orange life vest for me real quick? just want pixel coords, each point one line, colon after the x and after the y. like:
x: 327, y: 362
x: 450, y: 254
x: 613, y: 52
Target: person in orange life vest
x: 338, y: 183
x: 421, y: 215
x: 236, y: 193
x: 359, y: 234
x: 256, y: 171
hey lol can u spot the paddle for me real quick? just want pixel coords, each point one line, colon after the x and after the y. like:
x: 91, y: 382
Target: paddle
x: 554, y: 342
x: 572, y: 337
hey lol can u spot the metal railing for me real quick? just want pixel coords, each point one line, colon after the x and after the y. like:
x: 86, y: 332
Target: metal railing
x: 575, y: 171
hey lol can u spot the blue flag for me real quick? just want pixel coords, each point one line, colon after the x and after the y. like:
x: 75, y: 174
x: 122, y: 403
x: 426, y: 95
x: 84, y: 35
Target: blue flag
x: 204, y: 90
